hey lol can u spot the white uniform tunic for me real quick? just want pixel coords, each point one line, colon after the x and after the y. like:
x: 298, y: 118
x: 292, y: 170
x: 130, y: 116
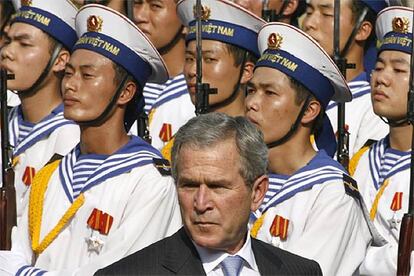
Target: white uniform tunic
x: 325, y: 223
x: 386, y: 169
x: 128, y: 187
x: 171, y: 110
x: 35, y: 147
x: 360, y: 118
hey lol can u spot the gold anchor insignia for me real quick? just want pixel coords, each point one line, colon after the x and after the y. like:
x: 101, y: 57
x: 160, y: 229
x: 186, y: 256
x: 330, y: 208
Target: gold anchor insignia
x: 274, y: 41
x: 26, y: 2
x: 400, y: 24
x: 94, y: 23
x: 205, y: 12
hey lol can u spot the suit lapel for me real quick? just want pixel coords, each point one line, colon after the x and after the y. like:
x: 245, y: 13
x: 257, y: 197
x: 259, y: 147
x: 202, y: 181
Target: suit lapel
x: 181, y: 257
x: 267, y: 262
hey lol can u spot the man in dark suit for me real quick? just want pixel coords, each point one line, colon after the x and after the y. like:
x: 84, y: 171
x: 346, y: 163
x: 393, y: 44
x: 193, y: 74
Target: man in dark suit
x: 219, y: 165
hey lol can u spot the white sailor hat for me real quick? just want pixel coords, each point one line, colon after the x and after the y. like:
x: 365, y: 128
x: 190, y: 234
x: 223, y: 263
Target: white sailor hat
x: 113, y: 35
x: 56, y: 18
x: 222, y: 21
x: 300, y: 57
x: 394, y: 29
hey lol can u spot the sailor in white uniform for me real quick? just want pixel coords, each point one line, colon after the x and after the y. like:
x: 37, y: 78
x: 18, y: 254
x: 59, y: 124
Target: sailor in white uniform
x: 312, y: 207
x: 111, y: 195
x: 37, y: 48
x: 172, y: 109
x: 228, y: 58
x: 360, y: 120
x: 168, y: 104
x: 382, y: 169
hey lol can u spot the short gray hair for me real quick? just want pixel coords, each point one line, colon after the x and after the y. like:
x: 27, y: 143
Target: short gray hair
x: 210, y: 129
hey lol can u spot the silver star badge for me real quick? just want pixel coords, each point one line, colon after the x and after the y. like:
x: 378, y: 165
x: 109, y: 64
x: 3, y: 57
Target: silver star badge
x: 394, y: 221
x: 95, y: 244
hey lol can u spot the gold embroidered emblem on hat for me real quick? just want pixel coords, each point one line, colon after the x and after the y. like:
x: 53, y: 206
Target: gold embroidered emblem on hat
x: 274, y: 41
x: 205, y: 12
x: 26, y: 2
x: 94, y: 23
x: 400, y: 24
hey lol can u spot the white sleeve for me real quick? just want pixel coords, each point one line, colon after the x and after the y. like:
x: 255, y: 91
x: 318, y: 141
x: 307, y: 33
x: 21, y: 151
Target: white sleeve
x: 21, y: 253
x: 380, y: 260
x: 334, y: 230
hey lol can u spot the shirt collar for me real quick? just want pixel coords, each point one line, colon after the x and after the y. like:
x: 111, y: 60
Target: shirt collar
x: 212, y: 258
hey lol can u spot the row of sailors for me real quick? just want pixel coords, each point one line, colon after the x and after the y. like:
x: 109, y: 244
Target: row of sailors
x: 291, y: 88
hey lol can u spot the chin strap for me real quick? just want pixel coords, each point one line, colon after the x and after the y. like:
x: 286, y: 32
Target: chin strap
x: 293, y: 128
x: 394, y: 123
x: 165, y: 49
x: 101, y: 118
x: 271, y: 15
x: 44, y: 74
x: 234, y: 94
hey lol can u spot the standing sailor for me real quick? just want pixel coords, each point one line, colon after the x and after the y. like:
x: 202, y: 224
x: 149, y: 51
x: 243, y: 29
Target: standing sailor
x: 360, y: 120
x: 168, y: 104
x: 311, y: 207
x: 110, y: 196
x: 36, y: 50
x: 228, y: 56
x: 383, y: 169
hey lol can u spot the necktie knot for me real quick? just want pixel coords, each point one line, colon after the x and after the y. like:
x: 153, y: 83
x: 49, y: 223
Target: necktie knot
x: 232, y: 265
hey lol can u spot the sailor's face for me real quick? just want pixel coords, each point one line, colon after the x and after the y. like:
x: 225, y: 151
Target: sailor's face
x: 319, y: 22
x: 87, y: 86
x: 270, y: 103
x: 218, y: 66
x: 25, y: 54
x: 389, y: 84
x: 158, y: 20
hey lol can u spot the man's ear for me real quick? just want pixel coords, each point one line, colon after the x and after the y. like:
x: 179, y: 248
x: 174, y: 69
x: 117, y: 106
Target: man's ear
x: 291, y: 7
x: 247, y: 72
x: 364, y: 31
x: 127, y: 93
x: 312, y: 111
x: 61, y: 60
x: 259, y: 189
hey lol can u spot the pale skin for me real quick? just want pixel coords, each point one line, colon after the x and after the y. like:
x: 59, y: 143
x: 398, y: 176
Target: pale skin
x: 270, y: 99
x: 88, y: 86
x: 319, y: 23
x: 25, y: 54
x: 214, y: 199
x: 389, y: 88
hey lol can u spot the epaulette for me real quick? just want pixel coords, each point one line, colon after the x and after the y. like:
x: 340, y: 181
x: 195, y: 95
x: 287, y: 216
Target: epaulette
x: 353, y: 163
x: 162, y: 165
x: 369, y: 142
x: 351, y: 186
x: 54, y: 158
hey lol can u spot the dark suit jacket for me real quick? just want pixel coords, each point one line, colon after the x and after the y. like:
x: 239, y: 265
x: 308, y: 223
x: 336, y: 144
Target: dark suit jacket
x: 176, y: 255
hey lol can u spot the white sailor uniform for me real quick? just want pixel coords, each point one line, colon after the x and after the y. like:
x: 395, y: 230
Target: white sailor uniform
x: 360, y: 119
x: 170, y: 111
x: 314, y: 214
x: 383, y: 175
x: 127, y: 205
x: 35, y: 144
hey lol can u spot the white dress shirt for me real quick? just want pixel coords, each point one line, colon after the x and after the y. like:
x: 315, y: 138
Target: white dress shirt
x: 212, y: 259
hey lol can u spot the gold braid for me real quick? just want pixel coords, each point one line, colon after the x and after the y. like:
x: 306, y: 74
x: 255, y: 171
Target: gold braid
x: 37, y: 195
